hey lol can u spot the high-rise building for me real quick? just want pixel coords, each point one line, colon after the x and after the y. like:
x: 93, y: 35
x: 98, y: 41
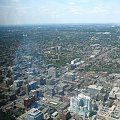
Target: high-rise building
x: 69, y: 76
x: 81, y: 105
x: 33, y: 85
x: 52, y: 72
x: 17, y: 83
x: 35, y: 114
x: 27, y: 89
x: 59, y: 48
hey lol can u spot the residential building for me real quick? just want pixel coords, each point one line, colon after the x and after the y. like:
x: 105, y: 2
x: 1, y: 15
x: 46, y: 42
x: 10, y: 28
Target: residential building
x: 81, y: 105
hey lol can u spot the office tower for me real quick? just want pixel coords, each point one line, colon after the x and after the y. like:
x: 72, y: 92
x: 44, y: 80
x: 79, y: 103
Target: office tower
x: 27, y: 89
x: 17, y: 83
x: 33, y: 85
x: 59, y: 49
x: 81, y: 105
x: 35, y: 114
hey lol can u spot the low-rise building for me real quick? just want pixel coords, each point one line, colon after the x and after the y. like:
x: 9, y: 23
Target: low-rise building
x: 34, y: 114
x: 94, y: 89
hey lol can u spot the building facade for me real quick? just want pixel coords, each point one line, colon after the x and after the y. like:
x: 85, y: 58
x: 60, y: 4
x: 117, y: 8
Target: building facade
x: 35, y: 114
x: 52, y: 72
x: 69, y: 76
x: 81, y: 105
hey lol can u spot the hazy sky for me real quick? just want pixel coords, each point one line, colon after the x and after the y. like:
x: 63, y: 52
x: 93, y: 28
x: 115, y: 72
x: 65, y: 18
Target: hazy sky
x: 59, y: 11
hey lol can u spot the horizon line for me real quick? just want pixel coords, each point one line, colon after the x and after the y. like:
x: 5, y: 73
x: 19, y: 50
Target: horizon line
x: 37, y: 24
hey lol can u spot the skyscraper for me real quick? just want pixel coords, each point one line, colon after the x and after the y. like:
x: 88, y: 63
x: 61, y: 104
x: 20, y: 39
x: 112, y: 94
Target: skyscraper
x: 81, y: 105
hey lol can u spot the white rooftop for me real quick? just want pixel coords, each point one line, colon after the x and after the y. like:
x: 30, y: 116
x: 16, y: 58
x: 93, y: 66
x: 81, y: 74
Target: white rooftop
x: 69, y: 73
x: 34, y: 112
x: 95, y: 87
x: 83, y: 96
x: 32, y: 82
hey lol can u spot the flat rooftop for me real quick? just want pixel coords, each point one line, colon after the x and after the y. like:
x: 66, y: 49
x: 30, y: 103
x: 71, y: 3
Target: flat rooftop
x: 34, y: 112
x: 95, y: 87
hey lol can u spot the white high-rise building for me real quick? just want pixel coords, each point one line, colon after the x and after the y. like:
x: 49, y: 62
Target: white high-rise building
x: 81, y: 105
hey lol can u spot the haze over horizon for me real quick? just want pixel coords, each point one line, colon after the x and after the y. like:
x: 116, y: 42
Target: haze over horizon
x: 17, y: 12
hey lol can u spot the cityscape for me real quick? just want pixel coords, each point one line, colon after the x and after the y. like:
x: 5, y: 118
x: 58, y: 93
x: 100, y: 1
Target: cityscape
x: 59, y: 59
x: 60, y: 72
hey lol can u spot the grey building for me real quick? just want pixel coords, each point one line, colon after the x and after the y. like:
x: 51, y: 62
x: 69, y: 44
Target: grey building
x: 52, y: 72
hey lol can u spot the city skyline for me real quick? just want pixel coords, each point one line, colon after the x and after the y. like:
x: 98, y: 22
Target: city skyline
x: 15, y: 12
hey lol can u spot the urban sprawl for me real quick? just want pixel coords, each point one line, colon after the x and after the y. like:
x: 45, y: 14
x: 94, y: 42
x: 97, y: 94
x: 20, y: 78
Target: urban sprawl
x: 60, y: 72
